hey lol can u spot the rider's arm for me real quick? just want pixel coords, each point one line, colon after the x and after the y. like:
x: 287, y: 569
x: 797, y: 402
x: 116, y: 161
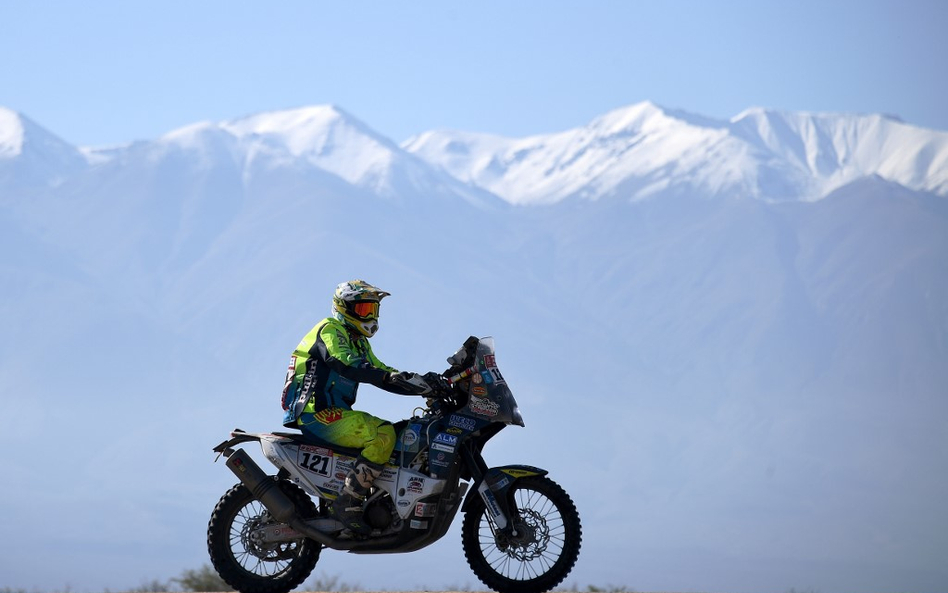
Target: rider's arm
x: 336, y: 349
x: 374, y: 361
x: 340, y: 354
x: 401, y: 384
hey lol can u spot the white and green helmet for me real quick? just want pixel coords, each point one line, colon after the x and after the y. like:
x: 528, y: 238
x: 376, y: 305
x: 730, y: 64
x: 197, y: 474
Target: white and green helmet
x: 356, y: 303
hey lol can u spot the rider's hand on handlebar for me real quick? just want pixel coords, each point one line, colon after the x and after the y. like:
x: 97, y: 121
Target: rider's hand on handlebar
x: 408, y: 383
x: 440, y: 386
x: 399, y: 377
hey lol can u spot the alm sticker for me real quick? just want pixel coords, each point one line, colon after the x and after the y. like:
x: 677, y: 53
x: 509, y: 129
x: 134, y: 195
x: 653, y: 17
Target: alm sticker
x: 447, y: 439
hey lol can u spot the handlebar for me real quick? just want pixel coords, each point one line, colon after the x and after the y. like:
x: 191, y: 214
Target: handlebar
x: 462, y: 375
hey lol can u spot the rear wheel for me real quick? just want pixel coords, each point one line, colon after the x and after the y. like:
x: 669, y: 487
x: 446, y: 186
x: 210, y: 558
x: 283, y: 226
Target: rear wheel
x: 238, y: 553
x: 544, y: 549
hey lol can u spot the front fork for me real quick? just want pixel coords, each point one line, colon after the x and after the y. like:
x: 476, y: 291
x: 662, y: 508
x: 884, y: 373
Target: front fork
x: 495, y: 487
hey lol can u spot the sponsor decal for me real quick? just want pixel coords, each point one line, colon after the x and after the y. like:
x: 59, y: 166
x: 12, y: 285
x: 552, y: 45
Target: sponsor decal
x: 290, y: 375
x: 329, y: 415
x: 404, y: 503
x: 477, y: 379
x: 492, y: 371
x: 491, y: 501
x: 479, y: 390
x: 500, y: 484
x: 483, y: 406
x: 409, y: 437
x: 488, y: 378
x: 426, y: 509
x: 316, y: 450
x: 440, y: 447
x: 416, y: 485
x: 520, y: 473
x: 454, y: 430
x: 327, y: 493
x: 461, y: 422
x: 447, y: 439
x: 416, y: 524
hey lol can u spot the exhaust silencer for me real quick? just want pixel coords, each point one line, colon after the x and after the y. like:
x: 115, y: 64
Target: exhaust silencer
x: 266, y: 489
x: 263, y: 487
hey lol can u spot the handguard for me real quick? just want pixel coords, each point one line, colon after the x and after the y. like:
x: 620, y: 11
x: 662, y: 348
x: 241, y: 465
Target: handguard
x: 410, y: 383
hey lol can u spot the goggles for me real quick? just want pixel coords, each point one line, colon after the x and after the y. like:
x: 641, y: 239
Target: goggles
x: 366, y: 309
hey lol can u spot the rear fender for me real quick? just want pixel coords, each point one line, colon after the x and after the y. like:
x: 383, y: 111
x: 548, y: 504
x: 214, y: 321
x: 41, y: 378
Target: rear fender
x: 236, y: 437
x: 270, y: 443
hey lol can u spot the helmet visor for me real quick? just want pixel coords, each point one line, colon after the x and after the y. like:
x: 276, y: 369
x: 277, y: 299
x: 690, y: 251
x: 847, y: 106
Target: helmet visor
x: 366, y: 310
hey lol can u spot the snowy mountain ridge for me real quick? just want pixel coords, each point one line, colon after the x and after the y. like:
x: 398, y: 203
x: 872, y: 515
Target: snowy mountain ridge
x: 322, y: 136
x: 630, y: 153
x: 30, y: 156
x: 11, y: 133
x: 644, y: 149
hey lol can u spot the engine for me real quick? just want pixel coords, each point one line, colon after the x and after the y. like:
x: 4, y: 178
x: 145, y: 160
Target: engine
x: 380, y: 513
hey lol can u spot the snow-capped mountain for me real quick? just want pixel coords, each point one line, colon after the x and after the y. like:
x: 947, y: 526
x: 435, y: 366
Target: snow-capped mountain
x: 631, y: 153
x: 645, y: 150
x: 739, y: 326
x: 31, y: 157
x: 320, y: 138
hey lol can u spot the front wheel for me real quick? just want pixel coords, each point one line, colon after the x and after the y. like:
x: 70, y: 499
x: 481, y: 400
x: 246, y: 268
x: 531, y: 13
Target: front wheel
x: 541, y: 554
x: 243, y: 558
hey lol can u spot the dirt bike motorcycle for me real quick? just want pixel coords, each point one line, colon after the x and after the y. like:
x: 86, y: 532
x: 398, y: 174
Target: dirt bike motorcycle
x: 521, y: 532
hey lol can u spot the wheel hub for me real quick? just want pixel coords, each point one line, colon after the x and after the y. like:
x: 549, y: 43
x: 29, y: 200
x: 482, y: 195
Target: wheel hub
x: 530, y: 539
x: 253, y: 535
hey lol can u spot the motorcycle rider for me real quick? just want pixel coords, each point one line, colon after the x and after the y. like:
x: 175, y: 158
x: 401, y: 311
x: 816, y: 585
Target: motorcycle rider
x: 321, y: 383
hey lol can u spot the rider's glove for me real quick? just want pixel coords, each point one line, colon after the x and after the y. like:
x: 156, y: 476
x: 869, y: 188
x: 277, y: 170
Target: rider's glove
x: 440, y: 386
x: 408, y: 383
x: 399, y: 377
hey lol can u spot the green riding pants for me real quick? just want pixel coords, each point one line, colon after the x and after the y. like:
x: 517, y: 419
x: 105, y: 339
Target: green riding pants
x: 353, y: 429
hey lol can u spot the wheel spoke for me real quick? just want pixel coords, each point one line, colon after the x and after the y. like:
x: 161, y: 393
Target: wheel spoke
x: 540, y: 542
x: 253, y: 556
x: 239, y: 550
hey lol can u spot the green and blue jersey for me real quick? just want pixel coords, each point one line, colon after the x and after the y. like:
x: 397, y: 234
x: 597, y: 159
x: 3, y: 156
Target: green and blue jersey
x: 326, y: 369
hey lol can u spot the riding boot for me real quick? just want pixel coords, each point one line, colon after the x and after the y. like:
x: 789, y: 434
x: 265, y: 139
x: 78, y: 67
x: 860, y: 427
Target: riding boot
x: 348, y: 506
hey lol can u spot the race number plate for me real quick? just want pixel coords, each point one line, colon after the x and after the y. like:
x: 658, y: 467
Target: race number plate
x: 315, y: 459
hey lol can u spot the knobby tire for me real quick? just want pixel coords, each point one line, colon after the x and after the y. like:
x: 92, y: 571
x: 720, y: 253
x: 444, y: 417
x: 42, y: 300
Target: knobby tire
x: 535, y: 565
x: 252, y: 569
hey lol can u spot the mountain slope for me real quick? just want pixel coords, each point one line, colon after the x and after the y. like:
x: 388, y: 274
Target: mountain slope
x: 644, y: 150
x: 761, y: 381
x: 322, y: 138
x: 836, y: 149
x: 30, y: 156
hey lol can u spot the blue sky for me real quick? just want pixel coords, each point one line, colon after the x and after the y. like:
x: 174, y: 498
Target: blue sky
x: 110, y: 72
x: 727, y: 487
